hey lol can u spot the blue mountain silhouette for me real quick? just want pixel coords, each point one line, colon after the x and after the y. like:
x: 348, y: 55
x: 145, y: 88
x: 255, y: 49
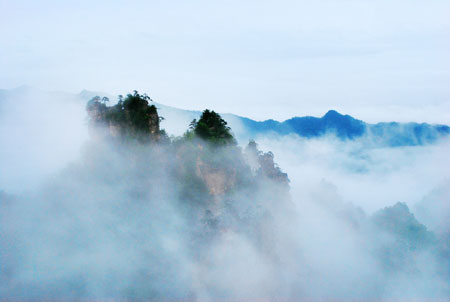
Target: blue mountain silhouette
x: 346, y: 127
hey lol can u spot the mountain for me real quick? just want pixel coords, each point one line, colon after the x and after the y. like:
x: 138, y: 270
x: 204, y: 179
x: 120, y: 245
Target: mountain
x: 344, y: 127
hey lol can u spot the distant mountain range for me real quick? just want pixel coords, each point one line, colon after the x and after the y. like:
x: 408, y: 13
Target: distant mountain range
x: 344, y: 127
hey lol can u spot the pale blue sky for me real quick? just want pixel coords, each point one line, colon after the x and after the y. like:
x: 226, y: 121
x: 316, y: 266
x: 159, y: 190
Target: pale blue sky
x: 377, y: 60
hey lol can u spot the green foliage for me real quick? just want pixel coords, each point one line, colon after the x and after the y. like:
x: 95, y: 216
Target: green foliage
x: 96, y: 104
x: 211, y: 127
x: 135, y: 111
x: 132, y: 116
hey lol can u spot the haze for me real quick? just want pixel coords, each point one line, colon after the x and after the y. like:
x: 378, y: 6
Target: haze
x: 377, y: 60
x: 97, y: 202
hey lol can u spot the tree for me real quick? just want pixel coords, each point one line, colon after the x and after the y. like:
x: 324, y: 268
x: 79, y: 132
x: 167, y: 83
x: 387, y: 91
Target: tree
x: 132, y: 117
x: 211, y: 127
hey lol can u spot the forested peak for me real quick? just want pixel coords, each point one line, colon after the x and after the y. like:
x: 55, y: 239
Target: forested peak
x: 131, y: 118
x: 207, y: 155
x: 213, y: 128
x: 135, y: 117
x: 136, y: 102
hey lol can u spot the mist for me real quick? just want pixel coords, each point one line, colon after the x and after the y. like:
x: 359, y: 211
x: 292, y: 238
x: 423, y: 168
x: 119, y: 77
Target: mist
x: 364, y: 174
x: 84, y: 218
x: 40, y: 133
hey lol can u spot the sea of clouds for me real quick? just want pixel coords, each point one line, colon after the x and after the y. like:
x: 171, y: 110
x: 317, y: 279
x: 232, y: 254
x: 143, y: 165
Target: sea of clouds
x: 79, y: 221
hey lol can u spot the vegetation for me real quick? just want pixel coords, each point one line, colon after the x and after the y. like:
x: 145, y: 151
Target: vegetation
x: 208, y: 163
x: 211, y: 127
x: 131, y: 118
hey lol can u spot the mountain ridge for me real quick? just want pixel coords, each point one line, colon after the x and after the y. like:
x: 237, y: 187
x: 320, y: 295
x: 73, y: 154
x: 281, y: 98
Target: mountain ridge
x: 343, y: 126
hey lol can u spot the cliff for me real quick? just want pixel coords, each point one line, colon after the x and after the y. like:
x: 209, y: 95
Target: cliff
x: 132, y: 117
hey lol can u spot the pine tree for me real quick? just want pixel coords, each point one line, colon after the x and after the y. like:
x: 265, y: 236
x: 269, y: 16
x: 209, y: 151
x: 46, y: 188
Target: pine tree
x: 211, y: 127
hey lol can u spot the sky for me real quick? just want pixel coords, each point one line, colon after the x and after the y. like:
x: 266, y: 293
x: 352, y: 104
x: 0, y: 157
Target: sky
x: 376, y: 60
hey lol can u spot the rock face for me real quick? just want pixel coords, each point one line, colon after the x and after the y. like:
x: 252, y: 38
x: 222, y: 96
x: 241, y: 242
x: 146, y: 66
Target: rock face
x: 218, y: 183
x: 153, y: 123
x: 96, y: 111
x: 98, y: 126
x: 269, y: 169
x: 217, y: 180
x: 210, y: 169
x: 263, y: 165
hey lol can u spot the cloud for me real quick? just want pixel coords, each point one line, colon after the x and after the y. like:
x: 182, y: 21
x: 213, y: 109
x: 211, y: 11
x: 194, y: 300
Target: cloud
x: 366, y: 176
x: 117, y: 223
x: 40, y: 133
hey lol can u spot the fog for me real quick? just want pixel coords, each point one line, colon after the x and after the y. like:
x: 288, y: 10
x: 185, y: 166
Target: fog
x: 378, y: 60
x: 85, y: 219
x: 363, y: 174
x: 40, y: 133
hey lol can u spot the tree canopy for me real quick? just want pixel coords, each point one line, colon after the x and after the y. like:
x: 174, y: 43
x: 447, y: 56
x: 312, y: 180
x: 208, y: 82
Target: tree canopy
x: 132, y: 116
x: 211, y: 127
